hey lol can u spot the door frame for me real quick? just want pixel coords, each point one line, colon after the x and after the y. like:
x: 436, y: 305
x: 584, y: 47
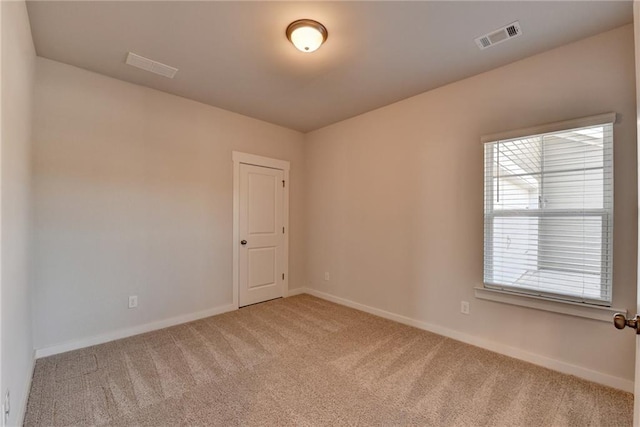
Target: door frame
x: 636, y: 31
x: 265, y: 162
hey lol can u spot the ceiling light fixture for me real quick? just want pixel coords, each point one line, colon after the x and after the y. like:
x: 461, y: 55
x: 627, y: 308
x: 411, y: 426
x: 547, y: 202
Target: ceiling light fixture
x: 307, y: 35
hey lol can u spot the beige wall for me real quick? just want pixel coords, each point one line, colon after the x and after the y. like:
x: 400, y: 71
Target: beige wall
x: 133, y: 196
x: 18, y: 64
x: 395, y: 199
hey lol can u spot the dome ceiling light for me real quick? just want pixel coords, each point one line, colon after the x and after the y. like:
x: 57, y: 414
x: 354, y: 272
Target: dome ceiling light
x: 307, y: 35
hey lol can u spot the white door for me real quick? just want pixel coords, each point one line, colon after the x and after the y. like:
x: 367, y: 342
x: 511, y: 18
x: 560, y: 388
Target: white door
x: 261, y: 221
x: 636, y: 24
x: 636, y: 20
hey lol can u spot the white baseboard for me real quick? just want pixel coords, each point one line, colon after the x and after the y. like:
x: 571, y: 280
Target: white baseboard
x: 127, y: 332
x: 297, y: 291
x: 22, y: 410
x: 536, y: 359
x: 135, y: 330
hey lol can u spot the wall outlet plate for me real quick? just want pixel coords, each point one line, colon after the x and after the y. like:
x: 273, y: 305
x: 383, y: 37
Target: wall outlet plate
x: 133, y: 301
x: 464, y: 307
x: 327, y: 277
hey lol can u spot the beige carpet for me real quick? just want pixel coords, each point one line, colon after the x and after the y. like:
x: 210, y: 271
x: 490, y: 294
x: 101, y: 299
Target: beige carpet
x: 304, y: 361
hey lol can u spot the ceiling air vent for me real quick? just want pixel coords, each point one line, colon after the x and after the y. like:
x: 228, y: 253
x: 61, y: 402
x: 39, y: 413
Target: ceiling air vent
x: 151, y: 66
x: 499, y: 36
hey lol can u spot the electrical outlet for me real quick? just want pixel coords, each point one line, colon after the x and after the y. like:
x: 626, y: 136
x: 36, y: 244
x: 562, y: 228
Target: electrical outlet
x: 464, y: 307
x: 133, y: 301
x: 326, y: 276
x: 6, y: 408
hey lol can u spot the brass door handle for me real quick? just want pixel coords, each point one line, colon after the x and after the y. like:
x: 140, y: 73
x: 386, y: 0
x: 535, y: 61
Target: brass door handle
x: 243, y: 242
x: 620, y: 321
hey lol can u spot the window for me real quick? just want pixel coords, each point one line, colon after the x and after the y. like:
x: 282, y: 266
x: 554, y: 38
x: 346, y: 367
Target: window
x: 548, y: 212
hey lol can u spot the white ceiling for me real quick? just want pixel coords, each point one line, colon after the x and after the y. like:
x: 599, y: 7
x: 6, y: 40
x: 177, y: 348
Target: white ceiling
x: 235, y: 55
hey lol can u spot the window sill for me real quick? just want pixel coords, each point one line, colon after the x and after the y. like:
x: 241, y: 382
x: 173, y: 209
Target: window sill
x: 604, y: 314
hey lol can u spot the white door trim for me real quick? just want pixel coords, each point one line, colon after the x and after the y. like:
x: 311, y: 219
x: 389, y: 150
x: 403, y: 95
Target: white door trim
x: 636, y: 30
x: 252, y: 159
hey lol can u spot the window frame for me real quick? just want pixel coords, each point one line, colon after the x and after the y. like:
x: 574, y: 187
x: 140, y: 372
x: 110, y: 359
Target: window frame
x: 501, y: 292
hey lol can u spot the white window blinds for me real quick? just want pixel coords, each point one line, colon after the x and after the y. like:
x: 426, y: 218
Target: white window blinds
x: 548, y: 211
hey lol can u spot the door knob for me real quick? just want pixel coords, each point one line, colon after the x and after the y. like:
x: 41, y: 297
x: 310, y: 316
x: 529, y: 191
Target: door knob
x: 243, y: 242
x: 620, y: 321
